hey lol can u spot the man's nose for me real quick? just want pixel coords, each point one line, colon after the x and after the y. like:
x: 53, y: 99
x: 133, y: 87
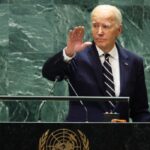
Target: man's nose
x: 100, y: 30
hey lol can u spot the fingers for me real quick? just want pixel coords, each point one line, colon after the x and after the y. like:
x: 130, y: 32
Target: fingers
x: 119, y: 120
x: 75, y: 40
x: 70, y: 35
x: 86, y: 44
x: 77, y: 33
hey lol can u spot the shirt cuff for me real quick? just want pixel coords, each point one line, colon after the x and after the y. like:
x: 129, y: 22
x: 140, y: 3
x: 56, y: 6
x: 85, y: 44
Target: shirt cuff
x: 67, y: 58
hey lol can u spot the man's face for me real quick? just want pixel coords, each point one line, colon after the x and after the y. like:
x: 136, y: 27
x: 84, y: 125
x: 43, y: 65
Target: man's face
x: 105, y: 29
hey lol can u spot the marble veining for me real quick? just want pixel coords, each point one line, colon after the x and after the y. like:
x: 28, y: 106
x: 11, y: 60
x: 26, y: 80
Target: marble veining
x: 33, y: 30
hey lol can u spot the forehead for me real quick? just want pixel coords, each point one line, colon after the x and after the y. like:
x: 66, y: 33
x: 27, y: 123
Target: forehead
x: 99, y: 15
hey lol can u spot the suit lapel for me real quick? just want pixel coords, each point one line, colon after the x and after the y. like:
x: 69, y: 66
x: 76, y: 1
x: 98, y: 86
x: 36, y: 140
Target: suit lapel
x: 96, y: 66
x: 124, y: 69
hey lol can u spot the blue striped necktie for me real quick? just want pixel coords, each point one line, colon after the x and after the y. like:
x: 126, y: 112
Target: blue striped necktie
x: 108, y: 77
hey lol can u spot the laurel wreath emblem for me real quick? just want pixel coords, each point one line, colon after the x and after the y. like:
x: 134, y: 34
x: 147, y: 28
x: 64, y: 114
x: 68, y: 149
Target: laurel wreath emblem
x: 42, y: 140
x: 85, y: 141
x: 83, y: 138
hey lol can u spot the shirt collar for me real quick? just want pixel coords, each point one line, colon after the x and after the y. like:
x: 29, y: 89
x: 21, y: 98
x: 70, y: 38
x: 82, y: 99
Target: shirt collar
x: 113, y: 53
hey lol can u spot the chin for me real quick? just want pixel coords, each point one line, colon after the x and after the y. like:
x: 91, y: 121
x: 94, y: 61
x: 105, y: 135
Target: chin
x: 101, y: 46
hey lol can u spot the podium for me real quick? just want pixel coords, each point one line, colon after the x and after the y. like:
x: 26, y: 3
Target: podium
x: 108, y: 116
x: 76, y: 136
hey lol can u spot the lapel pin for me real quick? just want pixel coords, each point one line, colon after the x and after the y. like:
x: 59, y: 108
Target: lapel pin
x: 126, y: 64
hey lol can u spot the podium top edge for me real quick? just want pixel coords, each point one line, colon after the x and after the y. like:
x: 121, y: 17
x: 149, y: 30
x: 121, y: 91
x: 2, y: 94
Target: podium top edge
x: 101, y: 98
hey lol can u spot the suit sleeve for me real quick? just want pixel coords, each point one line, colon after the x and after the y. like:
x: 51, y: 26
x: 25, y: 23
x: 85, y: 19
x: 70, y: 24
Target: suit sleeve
x: 139, y: 105
x: 55, y: 66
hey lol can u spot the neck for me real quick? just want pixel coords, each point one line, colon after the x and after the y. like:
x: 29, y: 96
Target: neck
x: 105, y: 50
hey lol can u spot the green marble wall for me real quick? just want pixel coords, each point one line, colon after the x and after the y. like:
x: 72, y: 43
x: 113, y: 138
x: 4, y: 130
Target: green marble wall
x: 33, y: 30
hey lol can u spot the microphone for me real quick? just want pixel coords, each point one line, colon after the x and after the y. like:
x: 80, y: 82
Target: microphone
x: 51, y: 92
x: 57, y: 78
x: 81, y: 102
x: 111, y: 116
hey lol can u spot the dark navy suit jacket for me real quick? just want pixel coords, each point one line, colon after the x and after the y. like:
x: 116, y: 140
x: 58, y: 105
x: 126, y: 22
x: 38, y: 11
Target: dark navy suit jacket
x: 85, y: 74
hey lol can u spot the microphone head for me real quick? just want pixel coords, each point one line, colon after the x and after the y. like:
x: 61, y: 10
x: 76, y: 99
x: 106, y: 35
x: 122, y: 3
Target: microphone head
x: 57, y: 78
x: 65, y: 78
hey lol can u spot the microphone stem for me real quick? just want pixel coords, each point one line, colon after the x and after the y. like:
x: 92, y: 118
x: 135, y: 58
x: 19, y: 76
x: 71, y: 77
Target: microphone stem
x: 52, y: 89
x: 44, y: 101
x: 81, y: 102
x: 112, y: 105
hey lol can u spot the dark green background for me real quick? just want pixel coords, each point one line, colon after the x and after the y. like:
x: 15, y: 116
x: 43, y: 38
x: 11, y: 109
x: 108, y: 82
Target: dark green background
x: 33, y: 30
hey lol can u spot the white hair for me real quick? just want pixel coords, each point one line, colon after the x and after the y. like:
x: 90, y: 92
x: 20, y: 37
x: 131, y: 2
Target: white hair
x: 116, y: 11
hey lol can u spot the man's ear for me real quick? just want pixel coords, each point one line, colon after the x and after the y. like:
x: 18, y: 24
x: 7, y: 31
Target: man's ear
x: 120, y: 29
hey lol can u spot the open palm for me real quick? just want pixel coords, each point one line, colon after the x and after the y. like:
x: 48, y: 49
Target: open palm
x: 75, y: 41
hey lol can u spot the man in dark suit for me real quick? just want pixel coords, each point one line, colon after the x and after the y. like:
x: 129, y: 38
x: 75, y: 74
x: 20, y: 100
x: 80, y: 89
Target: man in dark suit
x: 83, y: 64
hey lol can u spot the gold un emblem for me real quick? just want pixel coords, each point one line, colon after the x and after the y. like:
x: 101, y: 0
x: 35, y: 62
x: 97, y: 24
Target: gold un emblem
x: 63, y: 139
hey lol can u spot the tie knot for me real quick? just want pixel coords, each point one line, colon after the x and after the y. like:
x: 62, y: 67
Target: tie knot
x: 106, y: 56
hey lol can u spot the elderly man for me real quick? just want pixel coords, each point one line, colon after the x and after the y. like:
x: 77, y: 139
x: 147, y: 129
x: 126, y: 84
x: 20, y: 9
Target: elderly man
x: 100, y: 68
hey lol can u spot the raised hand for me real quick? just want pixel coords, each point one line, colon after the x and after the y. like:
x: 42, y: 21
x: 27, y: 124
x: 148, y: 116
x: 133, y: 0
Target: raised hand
x: 75, y: 41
